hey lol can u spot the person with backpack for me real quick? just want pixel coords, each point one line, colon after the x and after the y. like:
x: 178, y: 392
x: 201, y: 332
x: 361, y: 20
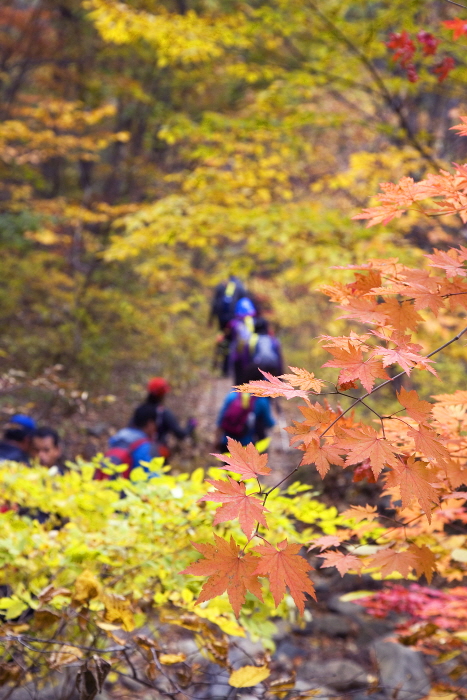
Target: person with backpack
x: 263, y: 350
x: 166, y: 421
x: 133, y: 446
x: 226, y: 295
x: 240, y: 330
x: 244, y: 417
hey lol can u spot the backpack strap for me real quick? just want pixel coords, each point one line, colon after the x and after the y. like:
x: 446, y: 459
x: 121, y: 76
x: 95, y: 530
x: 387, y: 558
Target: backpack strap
x: 230, y: 290
x: 249, y: 323
x: 253, y: 342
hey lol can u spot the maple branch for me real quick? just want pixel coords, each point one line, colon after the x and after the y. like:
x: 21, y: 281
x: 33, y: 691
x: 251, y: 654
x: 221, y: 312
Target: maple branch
x: 280, y: 483
x: 388, y: 381
x: 451, y: 2
x: 385, y: 94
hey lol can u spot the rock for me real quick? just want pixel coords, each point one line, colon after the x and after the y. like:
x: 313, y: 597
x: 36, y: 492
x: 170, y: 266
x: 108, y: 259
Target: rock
x: 288, y: 651
x: 340, y: 674
x: 331, y: 626
x: 372, y: 629
x: 402, y: 671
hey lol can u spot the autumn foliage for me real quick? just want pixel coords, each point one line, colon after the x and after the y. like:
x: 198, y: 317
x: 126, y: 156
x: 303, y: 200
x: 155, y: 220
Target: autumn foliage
x: 417, y: 451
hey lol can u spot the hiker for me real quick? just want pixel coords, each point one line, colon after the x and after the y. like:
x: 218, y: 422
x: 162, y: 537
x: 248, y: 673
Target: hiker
x: 263, y: 350
x: 166, y: 422
x: 134, y: 445
x: 16, y: 443
x: 226, y: 295
x: 240, y: 328
x: 244, y: 417
x: 47, y: 448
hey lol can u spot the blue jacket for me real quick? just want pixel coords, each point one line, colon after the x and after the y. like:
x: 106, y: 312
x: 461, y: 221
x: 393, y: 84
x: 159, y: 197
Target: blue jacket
x: 263, y: 418
x: 143, y: 453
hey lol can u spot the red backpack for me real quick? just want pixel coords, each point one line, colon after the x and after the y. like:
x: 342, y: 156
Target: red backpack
x: 239, y: 416
x: 119, y: 455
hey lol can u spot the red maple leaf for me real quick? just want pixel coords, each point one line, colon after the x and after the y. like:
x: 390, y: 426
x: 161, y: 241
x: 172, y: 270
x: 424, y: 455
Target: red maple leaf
x: 342, y: 562
x: 352, y: 365
x: 457, y: 26
x: 429, y: 42
x: 416, y: 408
x: 403, y: 47
x: 443, y: 68
x: 285, y: 567
x: 364, y: 471
x: 248, y: 509
x: 365, y: 443
x: 246, y: 461
x: 229, y: 569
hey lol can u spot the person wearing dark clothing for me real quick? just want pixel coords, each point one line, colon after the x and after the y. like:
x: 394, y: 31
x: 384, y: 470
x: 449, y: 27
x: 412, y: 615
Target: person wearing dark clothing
x: 263, y: 350
x: 244, y: 417
x: 16, y: 442
x: 226, y: 296
x: 132, y: 447
x: 166, y: 422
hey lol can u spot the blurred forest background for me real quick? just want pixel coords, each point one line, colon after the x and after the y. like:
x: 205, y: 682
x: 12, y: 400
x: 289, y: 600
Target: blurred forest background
x: 149, y: 148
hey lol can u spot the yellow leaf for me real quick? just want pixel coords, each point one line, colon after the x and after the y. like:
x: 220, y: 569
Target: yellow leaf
x: 86, y: 587
x: 66, y: 655
x: 459, y: 554
x: 171, y: 658
x: 247, y: 676
x: 262, y: 445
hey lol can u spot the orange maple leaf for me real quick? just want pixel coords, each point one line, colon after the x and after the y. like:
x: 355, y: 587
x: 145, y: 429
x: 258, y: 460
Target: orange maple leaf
x: 417, y: 409
x: 342, y: 562
x: 325, y: 542
x: 322, y: 456
x: 451, y: 261
x: 285, y: 567
x: 363, y: 310
x: 400, y: 315
x: 388, y: 560
x: 229, y: 569
x: 272, y: 386
x: 428, y: 443
x: 248, y: 509
x: 303, y: 380
x: 353, y: 366
x: 316, y: 415
x: 360, y: 513
x: 246, y: 461
x: 413, y: 479
x: 425, y: 562
x: 404, y: 356
x: 365, y: 443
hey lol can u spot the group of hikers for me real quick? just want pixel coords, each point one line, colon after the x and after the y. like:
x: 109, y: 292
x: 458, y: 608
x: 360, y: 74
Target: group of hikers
x: 246, y: 346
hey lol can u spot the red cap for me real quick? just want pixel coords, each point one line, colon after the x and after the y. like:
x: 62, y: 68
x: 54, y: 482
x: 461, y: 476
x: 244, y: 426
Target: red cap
x: 158, y: 386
